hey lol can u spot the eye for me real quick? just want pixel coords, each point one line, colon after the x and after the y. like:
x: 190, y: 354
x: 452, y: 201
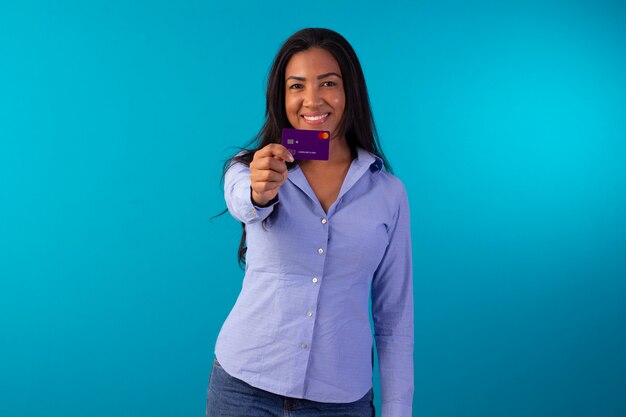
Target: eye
x: 295, y: 86
x: 329, y: 84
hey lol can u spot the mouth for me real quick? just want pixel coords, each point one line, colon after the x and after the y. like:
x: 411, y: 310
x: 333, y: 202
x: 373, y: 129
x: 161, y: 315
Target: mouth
x: 315, y: 119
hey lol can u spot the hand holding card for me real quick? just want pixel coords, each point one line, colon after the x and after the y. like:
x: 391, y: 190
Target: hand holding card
x: 268, y: 171
x: 307, y: 144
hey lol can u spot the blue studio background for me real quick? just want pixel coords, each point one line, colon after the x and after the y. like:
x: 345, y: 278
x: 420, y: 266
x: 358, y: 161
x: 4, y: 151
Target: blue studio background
x: 505, y: 120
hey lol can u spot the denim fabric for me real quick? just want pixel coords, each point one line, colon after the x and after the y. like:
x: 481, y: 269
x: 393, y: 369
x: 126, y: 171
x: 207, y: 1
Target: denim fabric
x: 230, y: 397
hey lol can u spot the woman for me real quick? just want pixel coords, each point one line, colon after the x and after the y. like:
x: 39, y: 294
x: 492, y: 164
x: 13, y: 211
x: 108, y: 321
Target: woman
x: 318, y: 236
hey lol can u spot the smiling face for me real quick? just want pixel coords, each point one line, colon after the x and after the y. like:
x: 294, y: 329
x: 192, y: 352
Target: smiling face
x: 314, y: 94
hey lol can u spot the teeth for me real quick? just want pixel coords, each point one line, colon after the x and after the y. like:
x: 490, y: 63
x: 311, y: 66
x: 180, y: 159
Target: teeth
x: 316, y: 117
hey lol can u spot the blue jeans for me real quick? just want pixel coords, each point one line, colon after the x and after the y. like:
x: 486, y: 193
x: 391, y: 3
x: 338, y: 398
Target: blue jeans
x: 230, y: 397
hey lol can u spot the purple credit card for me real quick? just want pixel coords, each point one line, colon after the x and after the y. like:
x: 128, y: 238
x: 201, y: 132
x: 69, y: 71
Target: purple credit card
x: 307, y: 144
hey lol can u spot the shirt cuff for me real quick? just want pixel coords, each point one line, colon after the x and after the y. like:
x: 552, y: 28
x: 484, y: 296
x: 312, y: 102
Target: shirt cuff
x: 255, y: 213
x: 396, y: 409
x: 269, y: 203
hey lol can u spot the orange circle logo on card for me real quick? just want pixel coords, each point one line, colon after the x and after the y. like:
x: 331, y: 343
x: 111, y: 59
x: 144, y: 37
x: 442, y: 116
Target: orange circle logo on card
x: 323, y: 135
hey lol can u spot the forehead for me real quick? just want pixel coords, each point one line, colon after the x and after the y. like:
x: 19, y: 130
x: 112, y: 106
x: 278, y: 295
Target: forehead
x: 313, y: 61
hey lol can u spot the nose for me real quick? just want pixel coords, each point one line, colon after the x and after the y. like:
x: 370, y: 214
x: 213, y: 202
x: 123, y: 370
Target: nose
x: 312, y: 97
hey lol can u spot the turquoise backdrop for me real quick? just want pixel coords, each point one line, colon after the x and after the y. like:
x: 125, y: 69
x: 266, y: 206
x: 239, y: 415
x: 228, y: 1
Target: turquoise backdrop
x: 505, y: 120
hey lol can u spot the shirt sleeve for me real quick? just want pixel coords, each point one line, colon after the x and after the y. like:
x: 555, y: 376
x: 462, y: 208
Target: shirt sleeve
x: 392, y: 311
x: 238, y: 195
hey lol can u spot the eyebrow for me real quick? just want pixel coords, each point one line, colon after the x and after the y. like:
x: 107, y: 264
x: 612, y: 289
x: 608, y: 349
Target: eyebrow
x: 319, y: 77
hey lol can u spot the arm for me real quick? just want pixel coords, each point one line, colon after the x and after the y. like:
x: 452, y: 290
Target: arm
x: 392, y: 310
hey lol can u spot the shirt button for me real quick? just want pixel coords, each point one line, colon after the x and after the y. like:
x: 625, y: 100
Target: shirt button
x: 314, y: 279
x: 309, y: 314
x: 320, y: 250
x: 304, y: 346
x: 324, y: 221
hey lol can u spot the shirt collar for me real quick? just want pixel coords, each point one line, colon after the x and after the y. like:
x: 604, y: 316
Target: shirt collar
x: 364, y: 162
x: 365, y: 158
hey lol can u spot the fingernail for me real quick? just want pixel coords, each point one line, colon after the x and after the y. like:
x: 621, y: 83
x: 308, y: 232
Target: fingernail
x: 291, y: 158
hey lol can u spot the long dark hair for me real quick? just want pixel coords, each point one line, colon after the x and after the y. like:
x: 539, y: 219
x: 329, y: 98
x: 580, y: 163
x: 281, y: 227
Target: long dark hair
x: 357, y: 123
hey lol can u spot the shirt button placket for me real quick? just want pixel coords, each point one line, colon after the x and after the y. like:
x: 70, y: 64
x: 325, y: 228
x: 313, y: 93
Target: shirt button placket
x: 324, y: 222
x: 315, y: 280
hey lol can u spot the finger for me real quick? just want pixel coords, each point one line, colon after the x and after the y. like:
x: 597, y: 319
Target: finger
x: 266, y: 176
x: 275, y: 150
x: 270, y: 163
x: 263, y: 187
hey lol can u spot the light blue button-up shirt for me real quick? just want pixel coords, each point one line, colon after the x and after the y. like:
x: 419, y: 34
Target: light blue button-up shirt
x: 300, y: 326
